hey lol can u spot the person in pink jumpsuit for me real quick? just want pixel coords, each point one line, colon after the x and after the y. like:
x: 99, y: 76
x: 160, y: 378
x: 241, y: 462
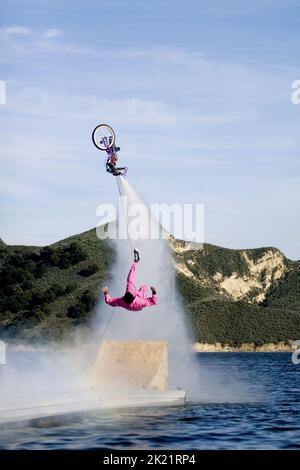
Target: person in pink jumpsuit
x: 133, y: 299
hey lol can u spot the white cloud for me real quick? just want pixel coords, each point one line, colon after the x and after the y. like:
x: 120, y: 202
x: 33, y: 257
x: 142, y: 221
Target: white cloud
x: 37, y: 42
x: 132, y: 109
x: 52, y: 33
x: 59, y: 47
x: 15, y: 30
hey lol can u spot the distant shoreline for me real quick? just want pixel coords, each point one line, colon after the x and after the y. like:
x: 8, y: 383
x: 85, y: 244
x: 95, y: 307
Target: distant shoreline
x: 246, y: 347
x: 198, y: 347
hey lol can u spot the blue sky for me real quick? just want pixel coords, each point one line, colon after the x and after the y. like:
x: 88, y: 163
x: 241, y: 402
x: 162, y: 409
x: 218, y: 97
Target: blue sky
x: 199, y: 94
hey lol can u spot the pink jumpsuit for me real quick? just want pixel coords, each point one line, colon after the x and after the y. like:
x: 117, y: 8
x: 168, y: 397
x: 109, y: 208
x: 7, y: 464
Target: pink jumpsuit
x: 140, y: 300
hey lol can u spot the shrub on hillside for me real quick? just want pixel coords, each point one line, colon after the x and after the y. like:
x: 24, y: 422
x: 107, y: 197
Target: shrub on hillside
x: 89, y: 270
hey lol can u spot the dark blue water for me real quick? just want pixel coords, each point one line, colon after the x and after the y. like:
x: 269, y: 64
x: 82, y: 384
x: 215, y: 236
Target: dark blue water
x: 272, y: 421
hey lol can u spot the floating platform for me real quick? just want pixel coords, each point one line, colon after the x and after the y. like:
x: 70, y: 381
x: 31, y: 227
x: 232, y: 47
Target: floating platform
x: 125, y: 374
x: 78, y: 402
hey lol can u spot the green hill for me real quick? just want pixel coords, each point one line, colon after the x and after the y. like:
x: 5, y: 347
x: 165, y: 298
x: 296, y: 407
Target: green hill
x: 231, y: 296
x: 46, y: 292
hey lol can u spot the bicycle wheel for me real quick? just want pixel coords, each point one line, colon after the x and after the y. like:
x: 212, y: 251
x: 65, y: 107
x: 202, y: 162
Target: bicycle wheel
x: 103, y: 137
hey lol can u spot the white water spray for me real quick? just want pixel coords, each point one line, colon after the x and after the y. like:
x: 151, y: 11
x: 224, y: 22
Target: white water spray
x: 166, y: 321
x: 46, y: 374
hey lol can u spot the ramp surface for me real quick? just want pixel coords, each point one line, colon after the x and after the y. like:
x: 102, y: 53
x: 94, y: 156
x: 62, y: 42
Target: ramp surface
x: 131, y: 364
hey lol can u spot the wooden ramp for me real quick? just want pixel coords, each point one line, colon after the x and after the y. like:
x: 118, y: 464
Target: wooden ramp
x: 131, y: 364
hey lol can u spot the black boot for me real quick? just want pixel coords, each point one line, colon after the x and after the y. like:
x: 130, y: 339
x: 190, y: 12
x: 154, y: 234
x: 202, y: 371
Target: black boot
x: 136, y: 254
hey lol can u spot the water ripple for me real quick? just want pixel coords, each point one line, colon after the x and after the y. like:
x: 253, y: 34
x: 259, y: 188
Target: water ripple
x: 269, y: 424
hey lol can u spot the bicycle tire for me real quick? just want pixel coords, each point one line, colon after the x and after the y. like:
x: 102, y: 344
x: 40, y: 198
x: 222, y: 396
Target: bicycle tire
x: 96, y: 140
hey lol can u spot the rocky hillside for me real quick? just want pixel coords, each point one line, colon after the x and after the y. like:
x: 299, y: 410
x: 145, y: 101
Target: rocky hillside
x: 231, y: 296
x: 239, y: 296
x: 245, y: 275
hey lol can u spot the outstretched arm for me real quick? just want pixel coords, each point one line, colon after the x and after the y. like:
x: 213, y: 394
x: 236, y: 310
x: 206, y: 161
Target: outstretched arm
x: 150, y: 301
x: 112, y: 301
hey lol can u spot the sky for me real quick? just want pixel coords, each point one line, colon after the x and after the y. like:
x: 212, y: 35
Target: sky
x: 199, y: 94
